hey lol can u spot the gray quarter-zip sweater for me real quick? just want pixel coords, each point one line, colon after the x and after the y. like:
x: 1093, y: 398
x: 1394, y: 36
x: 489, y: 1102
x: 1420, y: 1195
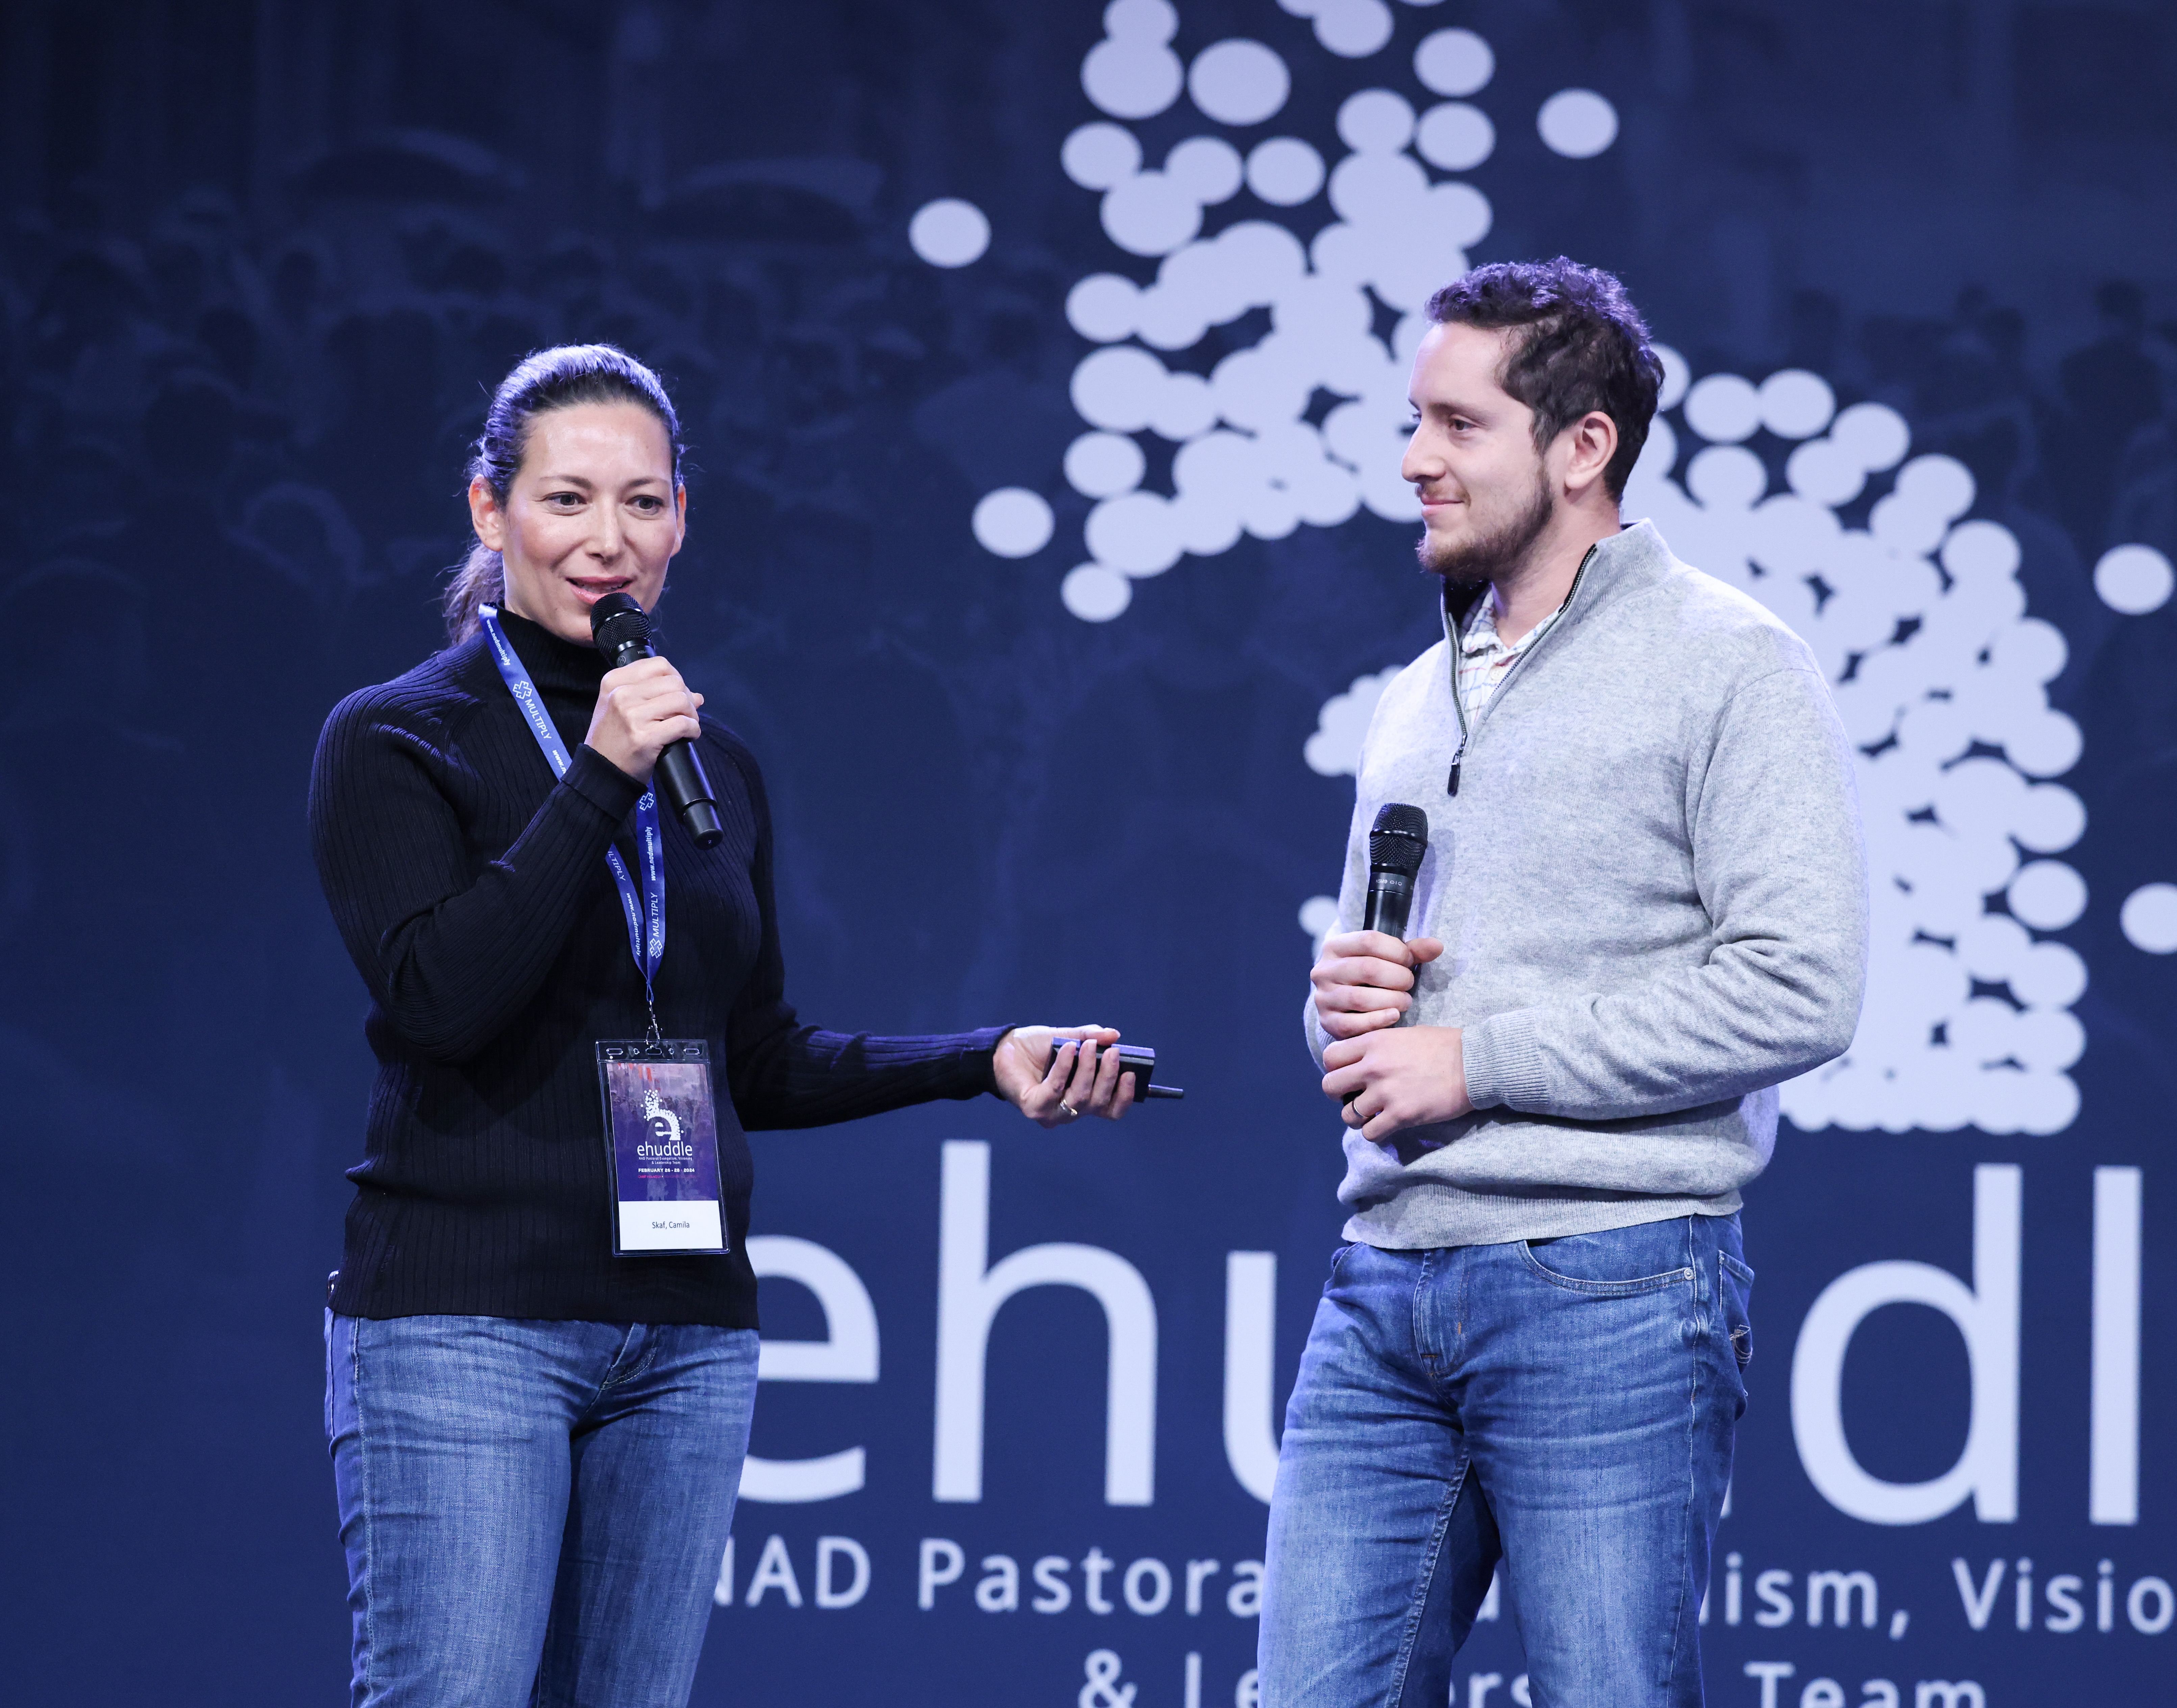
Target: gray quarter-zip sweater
x: 1645, y: 863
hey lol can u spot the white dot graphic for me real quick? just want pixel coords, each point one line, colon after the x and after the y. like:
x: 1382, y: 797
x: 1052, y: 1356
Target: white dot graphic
x: 1872, y: 434
x: 1352, y: 28
x: 1101, y: 464
x: 1104, y: 307
x: 1118, y: 388
x: 2048, y: 817
x: 1455, y: 137
x: 2047, y: 745
x: 1941, y: 487
x: 1796, y: 403
x: 949, y: 233
x: 1130, y: 82
x: 2149, y: 919
x: 1374, y: 192
x: 1284, y: 172
x: 1726, y: 476
x: 1136, y: 533
x: 1208, y: 168
x: 1239, y: 82
x: 1981, y: 550
x: 1453, y: 61
x: 1097, y: 156
x: 1375, y: 121
x: 1095, y: 594
x: 1141, y: 20
x: 2134, y: 580
x: 2051, y: 975
x: 1823, y: 471
x: 1184, y: 408
x: 1578, y: 123
x: 1132, y: 74
x: 1013, y: 523
x: 1723, y: 408
x: 2047, y: 895
x: 1151, y: 214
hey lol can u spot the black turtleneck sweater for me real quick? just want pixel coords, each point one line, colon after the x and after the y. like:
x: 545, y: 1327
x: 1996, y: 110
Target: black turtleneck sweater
x: 472, y: 892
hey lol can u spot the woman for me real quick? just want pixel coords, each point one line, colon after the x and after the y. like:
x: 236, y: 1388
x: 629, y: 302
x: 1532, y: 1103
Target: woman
x: 535, y: 1440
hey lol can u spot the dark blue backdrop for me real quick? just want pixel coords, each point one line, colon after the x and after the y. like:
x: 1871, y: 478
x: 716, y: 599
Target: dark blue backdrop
x: 261, y: 262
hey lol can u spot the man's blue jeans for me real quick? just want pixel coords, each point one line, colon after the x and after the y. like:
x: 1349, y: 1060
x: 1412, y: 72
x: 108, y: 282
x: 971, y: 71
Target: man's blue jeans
x: 533, y: 1512
x: 1569, y: 1405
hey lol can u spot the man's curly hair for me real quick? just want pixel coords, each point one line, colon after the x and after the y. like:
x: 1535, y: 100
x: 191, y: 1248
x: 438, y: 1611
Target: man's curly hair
x: 1578, y: 344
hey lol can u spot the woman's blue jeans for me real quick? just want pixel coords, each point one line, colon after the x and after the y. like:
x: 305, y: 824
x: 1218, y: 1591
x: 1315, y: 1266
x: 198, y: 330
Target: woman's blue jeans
x: 533, y: 1511
x: 1568, y: 1405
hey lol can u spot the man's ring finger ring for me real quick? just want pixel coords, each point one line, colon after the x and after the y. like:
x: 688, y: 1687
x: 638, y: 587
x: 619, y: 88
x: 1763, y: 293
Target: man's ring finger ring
x: 1071, y: 1112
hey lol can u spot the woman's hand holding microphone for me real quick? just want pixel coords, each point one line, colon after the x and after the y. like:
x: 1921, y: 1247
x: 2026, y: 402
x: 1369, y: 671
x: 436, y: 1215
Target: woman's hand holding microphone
x: 642, y: 709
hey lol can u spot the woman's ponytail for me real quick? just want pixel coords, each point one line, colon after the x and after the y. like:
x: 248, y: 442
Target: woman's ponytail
x: 481, y: 580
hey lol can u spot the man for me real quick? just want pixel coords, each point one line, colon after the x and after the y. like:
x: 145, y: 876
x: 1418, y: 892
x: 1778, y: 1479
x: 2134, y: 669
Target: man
x: 1644, y: 905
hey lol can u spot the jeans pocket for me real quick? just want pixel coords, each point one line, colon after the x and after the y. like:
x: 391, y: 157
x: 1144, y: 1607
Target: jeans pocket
x: 1735, y: 1295
x: 1595, y: 1289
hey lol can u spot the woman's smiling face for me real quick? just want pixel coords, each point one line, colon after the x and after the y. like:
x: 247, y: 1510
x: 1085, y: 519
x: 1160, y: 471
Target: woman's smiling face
x: 592, y: 510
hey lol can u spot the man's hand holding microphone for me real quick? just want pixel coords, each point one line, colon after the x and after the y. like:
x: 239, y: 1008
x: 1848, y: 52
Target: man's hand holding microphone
x: 1386, y: 1077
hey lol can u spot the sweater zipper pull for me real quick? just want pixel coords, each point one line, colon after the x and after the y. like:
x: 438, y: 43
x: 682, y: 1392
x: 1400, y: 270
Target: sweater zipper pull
x: 1452, y: 786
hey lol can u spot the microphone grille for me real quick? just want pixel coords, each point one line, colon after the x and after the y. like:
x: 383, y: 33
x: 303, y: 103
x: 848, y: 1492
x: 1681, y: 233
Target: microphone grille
x: 1398, y: 838
x: 616, y: 620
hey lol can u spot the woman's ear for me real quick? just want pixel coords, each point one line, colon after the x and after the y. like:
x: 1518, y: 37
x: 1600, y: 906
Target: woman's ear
x: 485, y: 515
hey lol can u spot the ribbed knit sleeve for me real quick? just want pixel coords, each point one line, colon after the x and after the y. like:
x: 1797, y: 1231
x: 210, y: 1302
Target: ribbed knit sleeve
x: 784, y: 1074
x: 451, y: 956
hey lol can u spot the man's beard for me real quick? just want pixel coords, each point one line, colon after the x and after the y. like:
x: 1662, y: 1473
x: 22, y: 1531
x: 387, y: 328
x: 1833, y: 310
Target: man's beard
x: 1494, y: 555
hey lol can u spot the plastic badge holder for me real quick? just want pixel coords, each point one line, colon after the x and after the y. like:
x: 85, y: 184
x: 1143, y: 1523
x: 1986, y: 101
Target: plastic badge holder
x: 662, y: 1147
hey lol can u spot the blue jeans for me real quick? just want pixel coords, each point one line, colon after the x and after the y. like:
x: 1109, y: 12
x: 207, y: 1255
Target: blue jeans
x: 1566, y: 1404
x: 533, y: 1512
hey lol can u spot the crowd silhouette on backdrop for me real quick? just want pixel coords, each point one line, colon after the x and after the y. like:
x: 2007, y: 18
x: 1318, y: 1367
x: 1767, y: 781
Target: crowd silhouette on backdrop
x: 312, y: 413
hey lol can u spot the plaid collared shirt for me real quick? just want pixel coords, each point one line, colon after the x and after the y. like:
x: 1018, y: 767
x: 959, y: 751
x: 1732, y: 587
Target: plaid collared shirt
x: 1483, y: 657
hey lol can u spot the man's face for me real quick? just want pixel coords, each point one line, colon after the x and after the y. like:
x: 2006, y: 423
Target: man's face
x: 1486, y: 495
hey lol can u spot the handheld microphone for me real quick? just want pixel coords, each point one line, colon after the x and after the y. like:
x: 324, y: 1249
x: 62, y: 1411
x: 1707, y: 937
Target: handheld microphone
x: 621, y: 629
x: 1396, y: 842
